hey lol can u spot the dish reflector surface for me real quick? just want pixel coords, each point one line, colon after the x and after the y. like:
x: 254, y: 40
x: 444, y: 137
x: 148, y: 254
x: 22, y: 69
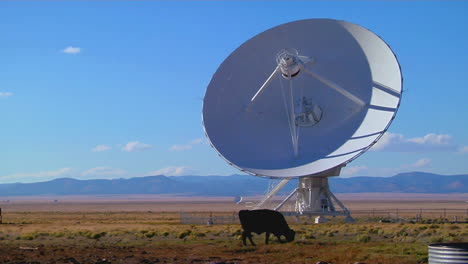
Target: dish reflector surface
x: 339, y: 103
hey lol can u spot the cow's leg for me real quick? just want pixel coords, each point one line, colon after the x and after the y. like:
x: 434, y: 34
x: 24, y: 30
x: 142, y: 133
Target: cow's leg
x: 250, y: 239
x: 244, y: 236
x: 267, y: 236
x: 279, y: 238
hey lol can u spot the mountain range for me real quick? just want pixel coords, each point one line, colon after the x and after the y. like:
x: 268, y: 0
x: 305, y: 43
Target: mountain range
x: 412, y: 182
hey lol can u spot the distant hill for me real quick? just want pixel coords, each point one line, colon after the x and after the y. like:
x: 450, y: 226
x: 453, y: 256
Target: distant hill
x: 413, y: 182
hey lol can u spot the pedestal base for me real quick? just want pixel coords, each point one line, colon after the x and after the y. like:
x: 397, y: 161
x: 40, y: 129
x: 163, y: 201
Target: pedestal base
x: 314, y: 197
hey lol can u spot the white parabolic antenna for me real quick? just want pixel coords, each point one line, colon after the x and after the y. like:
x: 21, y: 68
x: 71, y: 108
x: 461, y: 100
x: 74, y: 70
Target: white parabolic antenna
x: 303, y: 99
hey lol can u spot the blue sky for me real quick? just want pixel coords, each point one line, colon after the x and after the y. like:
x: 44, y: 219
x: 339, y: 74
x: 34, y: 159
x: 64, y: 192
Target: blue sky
x: 114, y: 89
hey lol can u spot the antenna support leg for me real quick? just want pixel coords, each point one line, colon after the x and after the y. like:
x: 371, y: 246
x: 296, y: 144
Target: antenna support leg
x: 313, y: 197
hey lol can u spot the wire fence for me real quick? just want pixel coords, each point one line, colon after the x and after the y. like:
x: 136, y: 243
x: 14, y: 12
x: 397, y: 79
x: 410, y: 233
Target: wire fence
x: 415, y: 215
x: 209, y: 218
x: 418, y: 214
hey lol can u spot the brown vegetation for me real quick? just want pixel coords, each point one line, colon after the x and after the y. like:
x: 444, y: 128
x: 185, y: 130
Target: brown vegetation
x: 77, y: 236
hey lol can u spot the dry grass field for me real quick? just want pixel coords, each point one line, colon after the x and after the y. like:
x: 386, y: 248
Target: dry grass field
x: 147, y: 229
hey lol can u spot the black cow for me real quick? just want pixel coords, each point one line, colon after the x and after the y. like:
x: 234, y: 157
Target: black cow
x: 269, y: 221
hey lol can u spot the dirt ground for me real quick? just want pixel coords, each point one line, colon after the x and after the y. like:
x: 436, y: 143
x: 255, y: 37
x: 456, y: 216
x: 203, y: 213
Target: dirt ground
x: 160, y: 203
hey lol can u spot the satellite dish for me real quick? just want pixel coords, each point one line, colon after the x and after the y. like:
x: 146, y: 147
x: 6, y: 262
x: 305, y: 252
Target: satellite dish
x: 302, y: 99
x: 238, y: 199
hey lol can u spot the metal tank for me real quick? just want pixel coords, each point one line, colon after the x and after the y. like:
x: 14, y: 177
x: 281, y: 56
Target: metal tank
x: 453, y: 253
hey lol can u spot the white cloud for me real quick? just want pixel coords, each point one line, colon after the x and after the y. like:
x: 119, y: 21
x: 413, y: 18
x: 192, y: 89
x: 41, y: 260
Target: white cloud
x: 71, y: 50
x: 136, y: 146
x: 172, y: 171
x: 434, y: 139
x: 103, y: 171
x: 420, y: 163
x: 181, y: 147
x: 428, y: 143
x: 197, y: 141
x: 5, y: 94
x: 463, y: 149
x: 348, y: 171
x: 386, y: 140
x: 100, y: 148
x: 35, y: 176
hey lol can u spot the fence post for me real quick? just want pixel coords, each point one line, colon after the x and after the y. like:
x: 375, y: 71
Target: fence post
x: 210, y: 220
x: 1, y: 216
